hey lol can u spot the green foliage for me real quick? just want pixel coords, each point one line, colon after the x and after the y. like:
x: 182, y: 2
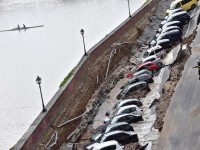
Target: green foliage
x: 67, y: 77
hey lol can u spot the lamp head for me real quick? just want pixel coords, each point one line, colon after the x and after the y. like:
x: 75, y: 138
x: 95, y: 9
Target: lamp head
x: 38, y: 80
x: 82, y: 32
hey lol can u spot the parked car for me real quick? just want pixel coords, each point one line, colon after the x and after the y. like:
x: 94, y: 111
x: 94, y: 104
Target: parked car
x: 168, y: 24
x: 154, y: 58
x: 151, y: 66
x: 142, y: 72
x: 122, y: 126
x: 164, y: 43
x: 129, y: 109
x: 122, y: 137
x: 133, y: 87
x: 144, y: 77
x: 109, y: 145
x: 173, y: 11
x: 126, y: 102
x: 129, y: 118
x: 156, y: 50
x: 183, y: 17
x: 184, y: 4
x: 174, y: 36
x: 170, y: 28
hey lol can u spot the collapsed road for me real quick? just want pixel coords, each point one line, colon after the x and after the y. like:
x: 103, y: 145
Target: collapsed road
x: 181, y: 124
x: 176, y: 60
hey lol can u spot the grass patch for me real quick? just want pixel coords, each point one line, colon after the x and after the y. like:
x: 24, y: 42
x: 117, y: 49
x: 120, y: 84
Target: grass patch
x: 67, y: 77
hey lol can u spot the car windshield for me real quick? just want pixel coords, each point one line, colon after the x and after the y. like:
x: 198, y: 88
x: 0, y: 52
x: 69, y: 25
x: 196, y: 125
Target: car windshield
x: 172, y: 6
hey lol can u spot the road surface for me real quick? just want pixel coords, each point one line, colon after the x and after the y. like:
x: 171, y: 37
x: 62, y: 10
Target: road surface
x: 181, y: 130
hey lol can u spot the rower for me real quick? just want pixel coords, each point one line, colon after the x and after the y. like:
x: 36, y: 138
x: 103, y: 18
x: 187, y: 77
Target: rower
x: 18, y: 26
x: 24, y: 26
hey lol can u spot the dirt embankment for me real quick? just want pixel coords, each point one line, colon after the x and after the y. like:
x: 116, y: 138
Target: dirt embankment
x: 169, y: 88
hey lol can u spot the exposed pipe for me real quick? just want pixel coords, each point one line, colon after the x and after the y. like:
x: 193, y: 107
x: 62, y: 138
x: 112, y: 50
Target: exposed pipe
x: 64, y: 123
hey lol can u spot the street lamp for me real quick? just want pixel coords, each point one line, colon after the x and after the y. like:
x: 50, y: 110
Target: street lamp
x: 82, y: 33
x: 38, y: 81
x: 129, y: 9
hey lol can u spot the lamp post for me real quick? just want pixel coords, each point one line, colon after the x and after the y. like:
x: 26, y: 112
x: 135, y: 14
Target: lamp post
x: 129, y: 9
x: 38, y: 81
x: 82, y: 33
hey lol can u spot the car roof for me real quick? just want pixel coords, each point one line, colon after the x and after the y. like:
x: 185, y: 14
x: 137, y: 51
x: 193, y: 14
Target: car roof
x: 172, y: 11
x: 162, y: 40
x: 176, y: 1
x: 129, y: 100
x: 104, y: 144
x: 128, y: 106
x: 170, y: 27
x: 122, y: 115
x: 178, y: 13
x: 116, y: 124
x: 168, y: 32
x: 118, y: 131
x: 141, y: 71
x: 171, y: 22
x: 134, y: 84
x: 154, y: 48
x: 143, y: 64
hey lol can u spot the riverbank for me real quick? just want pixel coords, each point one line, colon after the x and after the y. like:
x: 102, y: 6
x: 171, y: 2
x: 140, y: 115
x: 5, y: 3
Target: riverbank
x: 71, y: 99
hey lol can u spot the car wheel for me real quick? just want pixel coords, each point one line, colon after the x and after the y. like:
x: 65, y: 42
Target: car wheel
x: 193, y: 6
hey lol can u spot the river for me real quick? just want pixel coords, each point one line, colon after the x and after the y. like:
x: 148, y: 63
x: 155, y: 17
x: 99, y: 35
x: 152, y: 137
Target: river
x: 50, y: 52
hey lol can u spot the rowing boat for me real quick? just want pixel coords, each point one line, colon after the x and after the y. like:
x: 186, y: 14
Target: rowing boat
x: 23, y: 28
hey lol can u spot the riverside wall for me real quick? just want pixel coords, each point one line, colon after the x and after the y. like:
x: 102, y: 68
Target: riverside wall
x: 71, y: 99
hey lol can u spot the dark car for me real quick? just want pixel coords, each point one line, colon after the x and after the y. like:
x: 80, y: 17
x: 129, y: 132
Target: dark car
x: 171, y: 23
x: 145, y: 71
x: 173, y: 36
x: 164, y: 43
x: 129, y: 118
x: 133, y: 87
x: 120, y: 126
x: 173, y: 11
x: 144, y: 77
x: 123, y: 137
x: 126, y: 102
x: 183, y: 17
x: 170, y: 28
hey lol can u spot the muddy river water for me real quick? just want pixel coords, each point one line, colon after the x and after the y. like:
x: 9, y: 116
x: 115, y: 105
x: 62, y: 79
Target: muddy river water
x: 50, y: 52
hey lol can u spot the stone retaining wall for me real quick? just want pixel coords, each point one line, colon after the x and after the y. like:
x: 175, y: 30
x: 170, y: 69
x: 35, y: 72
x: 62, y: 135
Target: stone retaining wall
x: 71, y: 99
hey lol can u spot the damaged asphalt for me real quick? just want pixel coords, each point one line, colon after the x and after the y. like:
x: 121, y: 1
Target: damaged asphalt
x: 181, y: 124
